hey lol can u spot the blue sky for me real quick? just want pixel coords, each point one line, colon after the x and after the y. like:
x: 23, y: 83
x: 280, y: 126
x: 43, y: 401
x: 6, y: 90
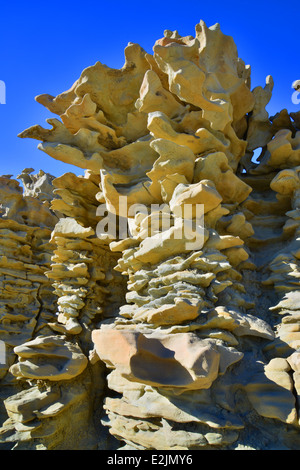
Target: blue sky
x: 46, y: 45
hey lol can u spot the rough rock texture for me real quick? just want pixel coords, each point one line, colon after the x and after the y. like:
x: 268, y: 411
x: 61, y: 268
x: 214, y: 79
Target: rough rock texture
x: 183, y: 326
x: 57, y: 281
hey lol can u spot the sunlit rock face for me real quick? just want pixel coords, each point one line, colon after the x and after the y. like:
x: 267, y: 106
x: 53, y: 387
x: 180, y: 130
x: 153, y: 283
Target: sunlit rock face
x: 153, y: 302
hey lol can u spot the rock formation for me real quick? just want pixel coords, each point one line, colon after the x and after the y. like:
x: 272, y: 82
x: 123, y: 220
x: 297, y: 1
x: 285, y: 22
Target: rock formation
x: 163, y: 282
x: 55, y: 273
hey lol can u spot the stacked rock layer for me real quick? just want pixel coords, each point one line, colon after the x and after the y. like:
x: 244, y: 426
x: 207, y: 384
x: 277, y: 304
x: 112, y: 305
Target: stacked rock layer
x: 201, y: 348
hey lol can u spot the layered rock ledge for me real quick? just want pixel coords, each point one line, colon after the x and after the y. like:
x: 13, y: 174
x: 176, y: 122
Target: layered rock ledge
x: 128, y: 322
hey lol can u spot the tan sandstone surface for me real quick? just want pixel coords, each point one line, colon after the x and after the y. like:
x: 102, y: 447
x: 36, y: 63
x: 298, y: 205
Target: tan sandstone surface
x: 129, y: 321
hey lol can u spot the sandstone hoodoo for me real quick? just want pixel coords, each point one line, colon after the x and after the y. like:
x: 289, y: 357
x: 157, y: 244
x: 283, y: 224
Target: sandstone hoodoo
x: 153, y: 302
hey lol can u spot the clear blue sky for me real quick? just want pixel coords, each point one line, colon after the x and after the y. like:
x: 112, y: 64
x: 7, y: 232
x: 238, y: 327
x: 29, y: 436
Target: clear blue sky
x: 45, y: 46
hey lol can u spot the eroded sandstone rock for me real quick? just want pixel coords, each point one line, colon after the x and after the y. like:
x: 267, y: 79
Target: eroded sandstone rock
x: 193, y: 318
